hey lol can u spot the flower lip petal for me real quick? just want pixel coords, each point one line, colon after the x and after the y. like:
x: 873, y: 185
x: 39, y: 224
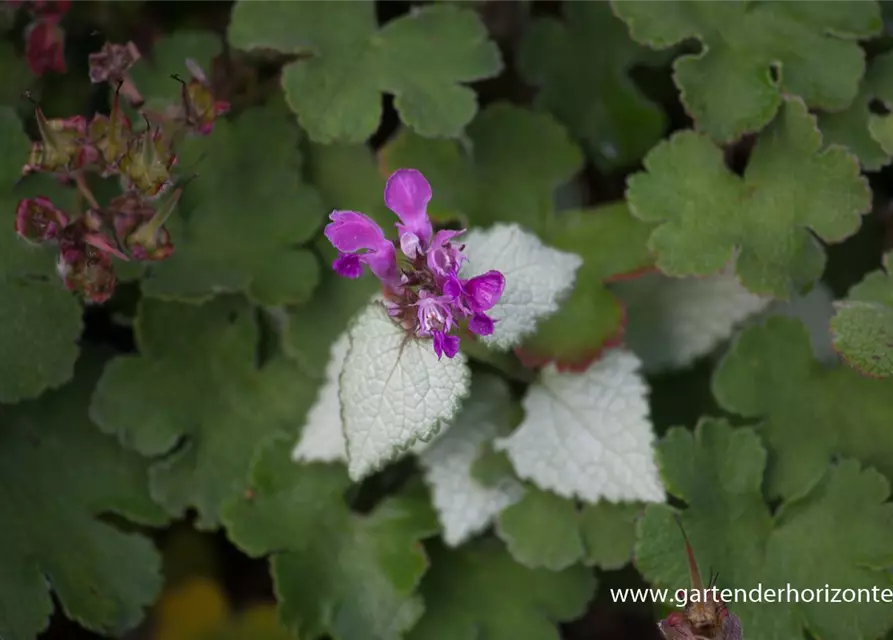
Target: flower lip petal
x: 485, y: 290
x: 407, y: 193
x: 348, y: 265
x: 481, y: 324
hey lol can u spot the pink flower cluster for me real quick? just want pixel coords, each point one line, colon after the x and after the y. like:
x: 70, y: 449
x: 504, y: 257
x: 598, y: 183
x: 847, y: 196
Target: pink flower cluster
x: 422, y: 288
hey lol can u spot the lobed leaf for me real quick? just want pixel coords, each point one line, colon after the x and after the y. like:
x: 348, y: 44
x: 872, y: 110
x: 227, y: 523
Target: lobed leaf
x: 478, y: 592
x: 863, y: 324
x: 345, y: 62
x: 811, y: 413
x: 867, y: 134
x: 335, y: 572
x: 834, y: 534
x: 58, y: 475
x: 508, y: 172
x: 195, y: 400
x: 240, y: 222
x: 791, y: 189
x: 753, y: 55
x: 581, y: 66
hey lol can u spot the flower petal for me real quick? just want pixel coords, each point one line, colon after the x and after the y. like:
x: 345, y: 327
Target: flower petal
x: 485, y: 290
x: 407, y: 194
x: 481, y: 324
x: 350, y: 231
x: 348, y: 265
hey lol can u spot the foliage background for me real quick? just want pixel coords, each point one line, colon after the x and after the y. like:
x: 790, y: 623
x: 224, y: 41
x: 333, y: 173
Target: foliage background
x: 129, y: 431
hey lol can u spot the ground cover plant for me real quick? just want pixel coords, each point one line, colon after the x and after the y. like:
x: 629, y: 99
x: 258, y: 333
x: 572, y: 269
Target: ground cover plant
x: 445, y: 320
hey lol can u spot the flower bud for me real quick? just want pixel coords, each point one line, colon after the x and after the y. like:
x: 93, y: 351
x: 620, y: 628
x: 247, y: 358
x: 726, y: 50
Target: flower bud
x: 39, y: 220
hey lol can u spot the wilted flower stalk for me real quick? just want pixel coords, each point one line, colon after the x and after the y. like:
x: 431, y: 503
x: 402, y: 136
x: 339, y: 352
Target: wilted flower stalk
x: 130, y: 226
x: 422, y: 288
x: 706, y: 616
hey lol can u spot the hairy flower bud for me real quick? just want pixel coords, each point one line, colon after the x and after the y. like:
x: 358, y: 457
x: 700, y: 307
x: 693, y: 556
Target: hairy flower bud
x: 63, y: 147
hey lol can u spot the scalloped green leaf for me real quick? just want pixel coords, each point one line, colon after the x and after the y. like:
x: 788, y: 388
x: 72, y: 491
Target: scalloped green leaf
x: 836, y: 534
x: 754, y: 54
x: 811, y: 413
x: 345, y: 62
x: 508, y: 173
x: 544, y: 530
x: 612, y: 244
x: 865, y: 133
x: 478, y: 591
x: 240, y: 222
x: 581, y: 66
x: 196, y: 401
x: 41, y: 320
x: 58, y: 475
x: 335, y: 572
x: 792, y: 188
x: 863, y: 325
x: 347, y: 178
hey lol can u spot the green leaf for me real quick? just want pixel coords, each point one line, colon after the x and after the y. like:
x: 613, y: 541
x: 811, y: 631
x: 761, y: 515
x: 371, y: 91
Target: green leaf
x: 811, y: 413
x: 707, y: 215
x: 478, y: 591
x: 612, y: 243
x: 152, y: 74
x: 346, y: 62
x: 58, y: 474
x: 863, y: 325
x: 240, y: 221
x: 196, y: 400
x: 754, y: 54
x: 545, y: 530
x: 41, y: 320
x: 347, y: 178
x: 514, y: 162
x: 335, y: 572
x: 582, y: 69
x: 542, y: 530
x: 16, y: 75
x: 868, y: 135
x: 837, y: 534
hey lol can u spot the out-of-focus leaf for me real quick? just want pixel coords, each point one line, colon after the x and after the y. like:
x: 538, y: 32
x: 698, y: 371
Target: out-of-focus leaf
x: 58, y: 474
x: 613, y: 244
x: 339, y: 573
x: 836, y: 534
x: 478, y: 591
x: 195, y: 399
x: 811, y: 413
x: 514, y: 161
x: 581, y: 66
x: 40, y: 319
x: 240, y: 221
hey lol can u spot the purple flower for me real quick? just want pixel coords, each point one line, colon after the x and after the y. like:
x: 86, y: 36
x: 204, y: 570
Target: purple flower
x: 351, y: 232
x: 407, y: 194
x: 425, y: 294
